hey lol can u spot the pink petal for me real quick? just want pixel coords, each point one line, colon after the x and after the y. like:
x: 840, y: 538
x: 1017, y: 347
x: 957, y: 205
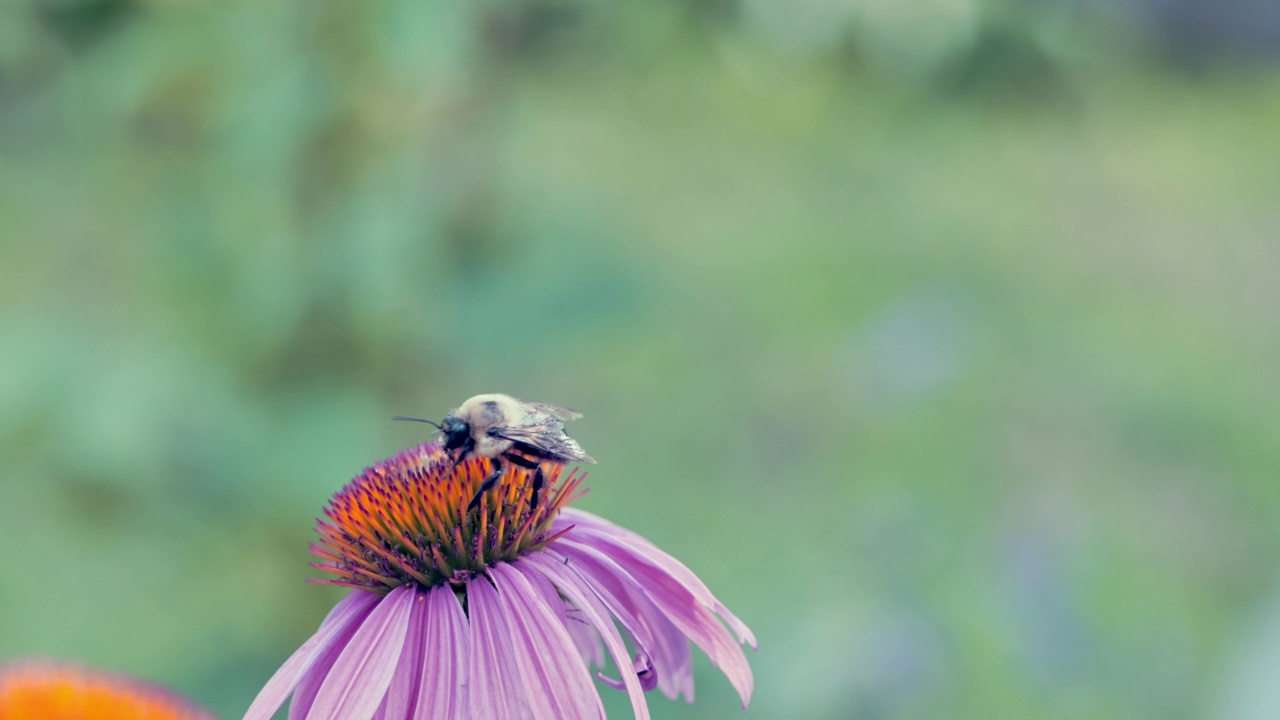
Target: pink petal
x: 585, y: 638
x: 402, y: 694
x: 698, y: 623
x: 496, y: 691
x: 570, y: 583
x: 556, y: 679
x: 359, y: 679
x: 680, y: 604
x: 584, y: 635
x: 586, y: 523
x: 642, y: 668
x: 304, y: 696
x: 349, y: 612
x: 650, y: 629
x: 442, y: 690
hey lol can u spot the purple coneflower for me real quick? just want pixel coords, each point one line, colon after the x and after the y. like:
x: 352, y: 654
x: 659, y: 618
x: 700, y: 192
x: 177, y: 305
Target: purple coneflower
x: 42, y: 691
x: 493, y: 614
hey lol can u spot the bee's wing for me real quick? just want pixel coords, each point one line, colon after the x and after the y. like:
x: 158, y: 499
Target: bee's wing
x: 544, y: 430
x: 556, y: 411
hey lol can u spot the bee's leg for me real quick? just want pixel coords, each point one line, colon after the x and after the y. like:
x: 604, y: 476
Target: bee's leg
x: 537, y: 488
x: 536, y: 467
x: 488, y: 483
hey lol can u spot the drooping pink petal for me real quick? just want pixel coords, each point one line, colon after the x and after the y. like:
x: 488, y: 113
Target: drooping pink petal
x: 596, y: 530
x: 585, y: 523
x: 550, y: 597
x: 496, y: 690
x: 698, y: 623
x: 584, y: 598
x: 304, y: 696
x: 349, y: 612
x: 557, y: 682
x: 442, y: 691
x: 642, y: 668
x: 616, y: 533
x: 653, y: 633
x: 585, y: 637
x: 402, y: 694
x: 679, y: 603
x: 359, y: 679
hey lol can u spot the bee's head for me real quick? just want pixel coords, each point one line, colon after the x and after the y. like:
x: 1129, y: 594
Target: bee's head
x: 456, y: 432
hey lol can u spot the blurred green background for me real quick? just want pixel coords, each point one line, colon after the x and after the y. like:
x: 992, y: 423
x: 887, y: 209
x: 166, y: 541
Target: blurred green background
x: 940, y: 337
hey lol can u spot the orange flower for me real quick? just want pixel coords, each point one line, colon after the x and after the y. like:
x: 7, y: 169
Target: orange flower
x: 52, y: 692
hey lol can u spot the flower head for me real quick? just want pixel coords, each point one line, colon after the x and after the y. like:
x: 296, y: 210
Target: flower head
x: 495, y: 613
x: 50, y: 692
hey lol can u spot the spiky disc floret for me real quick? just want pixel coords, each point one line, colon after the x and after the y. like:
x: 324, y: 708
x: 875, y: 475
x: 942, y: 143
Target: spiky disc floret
x: 405, y: 520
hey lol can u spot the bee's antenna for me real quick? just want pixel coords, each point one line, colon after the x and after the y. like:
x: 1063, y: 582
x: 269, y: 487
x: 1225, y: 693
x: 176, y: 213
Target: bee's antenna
x: 421, y: 420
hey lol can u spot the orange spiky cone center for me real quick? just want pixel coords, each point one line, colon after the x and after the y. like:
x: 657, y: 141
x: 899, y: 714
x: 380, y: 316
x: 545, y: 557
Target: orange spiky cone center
x: 406, y: 520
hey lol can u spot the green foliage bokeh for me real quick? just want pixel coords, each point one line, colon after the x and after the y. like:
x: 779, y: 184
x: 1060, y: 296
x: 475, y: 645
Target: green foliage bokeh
x: 940, y: 339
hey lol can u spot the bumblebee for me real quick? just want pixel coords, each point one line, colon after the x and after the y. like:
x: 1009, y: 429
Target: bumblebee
x: 501, y: 428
